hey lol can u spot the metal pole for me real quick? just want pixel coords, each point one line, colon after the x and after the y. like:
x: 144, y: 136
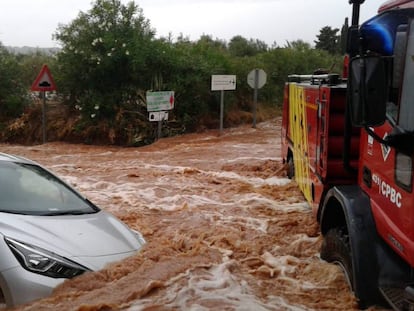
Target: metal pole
x: 44, y: 117
x: 221, y: 111
x: 256, y: 87
x: 159, y: 129
x: 355, y: 11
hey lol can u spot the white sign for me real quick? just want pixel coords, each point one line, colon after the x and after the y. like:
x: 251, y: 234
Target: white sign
x: 261, y: 78
x: 223, y: 82
x: 158, y: 115
x: 158, y: 101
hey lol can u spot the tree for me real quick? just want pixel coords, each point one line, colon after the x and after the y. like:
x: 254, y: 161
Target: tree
x: 207, y: 40
x: 344, y: 36
x: 298, y: 45
x: 297, y: 57
x: 13, y: 93
x: 190, y: 76
x: 328, y: 40
x: 240, y: 47
x: 105, y: 57
x: 32, y: 63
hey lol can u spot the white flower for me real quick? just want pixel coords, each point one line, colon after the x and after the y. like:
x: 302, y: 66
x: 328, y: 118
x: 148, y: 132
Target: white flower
x: 93, y: 115
x: 109, y: 54
x: 123, y: 45
x: 96, y: 107
x: 126, y: 52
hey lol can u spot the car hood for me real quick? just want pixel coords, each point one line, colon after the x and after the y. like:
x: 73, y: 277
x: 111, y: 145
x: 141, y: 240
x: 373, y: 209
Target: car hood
x: 91, y: 239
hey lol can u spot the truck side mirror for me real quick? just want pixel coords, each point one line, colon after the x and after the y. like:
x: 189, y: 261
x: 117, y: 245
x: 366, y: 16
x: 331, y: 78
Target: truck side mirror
x: 367, y: 91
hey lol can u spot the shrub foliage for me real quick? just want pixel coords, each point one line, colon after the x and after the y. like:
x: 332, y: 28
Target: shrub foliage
x: 110, y: 57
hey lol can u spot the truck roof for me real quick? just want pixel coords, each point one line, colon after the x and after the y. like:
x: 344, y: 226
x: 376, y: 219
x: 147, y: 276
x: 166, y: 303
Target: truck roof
x: 392, y: 4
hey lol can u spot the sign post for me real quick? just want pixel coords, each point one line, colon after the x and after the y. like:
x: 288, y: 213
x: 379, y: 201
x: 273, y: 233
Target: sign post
x: 221, y: 110
x: 44, y: 83
x: 158, y: 104
x: 256, y: 80
x: 222, y: 83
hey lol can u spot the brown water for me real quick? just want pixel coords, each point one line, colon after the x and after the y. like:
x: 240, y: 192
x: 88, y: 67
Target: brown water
x: 226, y: 230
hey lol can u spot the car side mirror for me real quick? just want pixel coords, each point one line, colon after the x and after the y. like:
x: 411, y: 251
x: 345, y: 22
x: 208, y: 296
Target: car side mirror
x: 367, y: 91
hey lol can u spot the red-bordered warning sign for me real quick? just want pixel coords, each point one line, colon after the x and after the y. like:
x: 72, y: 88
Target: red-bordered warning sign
x: 44, y: 81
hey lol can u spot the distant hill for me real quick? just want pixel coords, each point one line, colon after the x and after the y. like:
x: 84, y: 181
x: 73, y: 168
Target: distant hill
x: 31, y: 50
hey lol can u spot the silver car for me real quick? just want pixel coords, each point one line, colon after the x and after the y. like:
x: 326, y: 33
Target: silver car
x: 49, y: 232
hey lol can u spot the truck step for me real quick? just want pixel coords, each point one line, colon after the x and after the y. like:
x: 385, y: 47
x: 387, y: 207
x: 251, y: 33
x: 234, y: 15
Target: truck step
x: 401, y: 299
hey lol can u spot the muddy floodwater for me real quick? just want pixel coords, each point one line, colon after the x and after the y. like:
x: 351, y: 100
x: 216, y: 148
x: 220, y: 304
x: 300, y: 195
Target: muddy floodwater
x: 225, y: 228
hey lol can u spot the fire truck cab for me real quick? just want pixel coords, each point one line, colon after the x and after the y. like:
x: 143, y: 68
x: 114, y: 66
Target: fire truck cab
x: 348, y: 141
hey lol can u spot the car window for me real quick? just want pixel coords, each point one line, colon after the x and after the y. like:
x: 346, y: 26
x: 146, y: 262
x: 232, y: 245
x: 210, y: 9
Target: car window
x: 29, y: 189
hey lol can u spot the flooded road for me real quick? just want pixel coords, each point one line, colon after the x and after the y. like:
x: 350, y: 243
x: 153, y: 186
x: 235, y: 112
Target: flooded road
x: 225, y: 228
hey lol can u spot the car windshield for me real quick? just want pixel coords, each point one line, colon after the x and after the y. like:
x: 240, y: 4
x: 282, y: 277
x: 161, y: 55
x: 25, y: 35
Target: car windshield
x: 31, y: 190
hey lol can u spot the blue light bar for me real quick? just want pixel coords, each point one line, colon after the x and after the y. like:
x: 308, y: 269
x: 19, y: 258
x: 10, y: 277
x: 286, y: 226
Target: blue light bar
x: 378, y: 33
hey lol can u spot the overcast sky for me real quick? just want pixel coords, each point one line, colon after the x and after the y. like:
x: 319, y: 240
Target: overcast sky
x: 32, y: 22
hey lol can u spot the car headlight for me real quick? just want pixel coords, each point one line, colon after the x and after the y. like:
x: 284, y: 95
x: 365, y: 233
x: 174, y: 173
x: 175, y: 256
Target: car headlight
x: 38, y: 260
x: 139, y: 237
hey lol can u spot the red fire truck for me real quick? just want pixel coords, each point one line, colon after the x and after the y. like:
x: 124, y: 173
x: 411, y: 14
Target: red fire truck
x: 348, y: 141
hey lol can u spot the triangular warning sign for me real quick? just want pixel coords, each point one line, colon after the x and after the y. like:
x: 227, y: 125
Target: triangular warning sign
x: 44, y: 81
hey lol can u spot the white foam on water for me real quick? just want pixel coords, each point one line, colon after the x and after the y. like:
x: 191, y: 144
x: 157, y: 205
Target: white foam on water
x: 168, y: 191
x: 216, y: 288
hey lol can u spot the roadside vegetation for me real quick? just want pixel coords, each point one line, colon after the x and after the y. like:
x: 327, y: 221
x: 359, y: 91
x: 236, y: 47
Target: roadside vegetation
x: 110, y: 57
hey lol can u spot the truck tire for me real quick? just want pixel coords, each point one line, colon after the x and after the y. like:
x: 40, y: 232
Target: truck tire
x: 336, y: 249
x: 290, y: 168
x: 351, y: 240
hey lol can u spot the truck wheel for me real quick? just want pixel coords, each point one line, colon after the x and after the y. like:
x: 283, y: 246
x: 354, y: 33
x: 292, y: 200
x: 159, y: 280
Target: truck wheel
x: 290, y: 168
x: 336, y: 249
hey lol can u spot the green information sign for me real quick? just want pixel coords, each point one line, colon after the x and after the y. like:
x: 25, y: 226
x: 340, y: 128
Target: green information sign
x: 160, y: 101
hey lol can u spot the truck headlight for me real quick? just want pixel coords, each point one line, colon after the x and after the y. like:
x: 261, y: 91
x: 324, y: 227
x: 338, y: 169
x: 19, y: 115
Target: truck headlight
x: 41, y: 261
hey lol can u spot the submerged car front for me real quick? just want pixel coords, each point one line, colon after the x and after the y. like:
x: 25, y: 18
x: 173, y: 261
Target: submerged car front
x: 49, y: 232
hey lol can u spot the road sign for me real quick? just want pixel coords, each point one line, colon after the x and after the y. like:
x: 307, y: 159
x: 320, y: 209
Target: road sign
x: 223, y: 82
x: 258, y: 74
x: 256, y: 79
x: 158, y: 115
x: 44, y: 81
x: 159, y: 101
